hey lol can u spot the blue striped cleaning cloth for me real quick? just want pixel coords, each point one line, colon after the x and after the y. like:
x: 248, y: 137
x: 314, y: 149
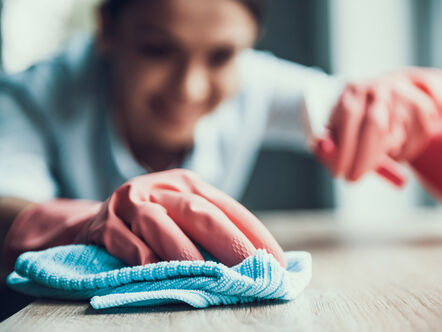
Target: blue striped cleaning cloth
x: 88, y: 272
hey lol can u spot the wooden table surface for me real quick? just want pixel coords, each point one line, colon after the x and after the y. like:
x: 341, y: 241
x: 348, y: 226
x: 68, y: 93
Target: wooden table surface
x: 367, y: 276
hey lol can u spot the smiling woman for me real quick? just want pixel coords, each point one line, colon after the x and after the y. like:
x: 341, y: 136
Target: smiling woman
x: 175, y: 61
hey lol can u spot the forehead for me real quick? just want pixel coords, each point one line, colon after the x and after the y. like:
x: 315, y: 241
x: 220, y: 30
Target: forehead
x: 192, y: 20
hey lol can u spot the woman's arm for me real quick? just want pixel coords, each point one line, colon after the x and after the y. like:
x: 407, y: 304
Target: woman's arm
x: 285, y: 90
x: 10, y: 207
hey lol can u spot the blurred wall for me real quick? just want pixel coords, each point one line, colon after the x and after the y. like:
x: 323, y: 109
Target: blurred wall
x: 298, y: 30
x: 34, y: 29
x: 428, y: 32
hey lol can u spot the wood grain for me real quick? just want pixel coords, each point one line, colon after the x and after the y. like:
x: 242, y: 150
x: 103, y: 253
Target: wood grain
x: 384, y: 277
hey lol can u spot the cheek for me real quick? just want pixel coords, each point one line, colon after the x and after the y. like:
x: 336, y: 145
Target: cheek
x: 141, y: 81
x: 137, y: 84
x: 226, y: 85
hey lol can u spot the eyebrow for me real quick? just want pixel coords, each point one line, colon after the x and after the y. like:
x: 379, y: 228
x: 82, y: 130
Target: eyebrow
x: 152, y: 28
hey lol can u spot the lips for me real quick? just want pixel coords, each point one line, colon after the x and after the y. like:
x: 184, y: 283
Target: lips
x: 176, y: 115
x: 172, y: 117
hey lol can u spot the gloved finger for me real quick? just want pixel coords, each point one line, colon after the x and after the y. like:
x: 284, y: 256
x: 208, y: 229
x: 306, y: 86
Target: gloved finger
x: 428, y: 81
x: 345, y: 124
x: 120, y: 241
x: 396, y: 140
x: 325, y: 149
x: 420, y: 116
x: 242, y: 218
x: 425, y: 120
x: 152, y: 223
x: 207, y: 225
x: 371, y: 145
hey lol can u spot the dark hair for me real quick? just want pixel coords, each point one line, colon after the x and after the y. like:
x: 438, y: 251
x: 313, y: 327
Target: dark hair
x: 258, y: 8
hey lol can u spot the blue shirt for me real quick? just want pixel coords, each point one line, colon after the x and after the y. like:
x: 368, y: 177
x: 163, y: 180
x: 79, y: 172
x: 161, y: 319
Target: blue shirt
x: 57, y: 138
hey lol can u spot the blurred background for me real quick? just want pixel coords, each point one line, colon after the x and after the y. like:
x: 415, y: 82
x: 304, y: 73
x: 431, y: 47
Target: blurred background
x: 352, y: 38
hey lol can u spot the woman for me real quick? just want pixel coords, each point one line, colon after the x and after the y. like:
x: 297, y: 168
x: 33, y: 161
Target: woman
x: 174, y: 83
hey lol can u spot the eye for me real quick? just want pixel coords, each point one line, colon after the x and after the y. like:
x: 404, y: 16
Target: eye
x: 158, y: 51
x: 220, y: 57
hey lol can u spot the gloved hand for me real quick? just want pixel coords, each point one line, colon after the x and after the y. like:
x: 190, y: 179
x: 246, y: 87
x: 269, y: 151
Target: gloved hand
x: 159, y: 216
x: 393, y: 116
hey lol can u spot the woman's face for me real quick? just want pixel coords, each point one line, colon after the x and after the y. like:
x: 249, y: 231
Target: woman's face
x: 175, y: 62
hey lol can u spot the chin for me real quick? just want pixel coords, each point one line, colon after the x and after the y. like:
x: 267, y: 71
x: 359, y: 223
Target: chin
x: 176, y: 141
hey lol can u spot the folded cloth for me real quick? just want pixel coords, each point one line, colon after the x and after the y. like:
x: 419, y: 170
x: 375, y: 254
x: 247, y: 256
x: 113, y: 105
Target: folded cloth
x: 90, y: 272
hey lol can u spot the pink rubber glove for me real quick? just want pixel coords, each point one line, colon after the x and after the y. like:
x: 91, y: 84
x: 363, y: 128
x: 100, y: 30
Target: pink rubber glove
x: 428, y: 166
x: 394, y: 116
x: 159, y: 216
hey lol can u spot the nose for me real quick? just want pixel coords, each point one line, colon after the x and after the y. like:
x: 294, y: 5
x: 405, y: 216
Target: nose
x: 192, y: 84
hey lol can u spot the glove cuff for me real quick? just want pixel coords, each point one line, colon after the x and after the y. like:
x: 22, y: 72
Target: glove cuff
x: 428, y: 166
x: 46, y: 225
